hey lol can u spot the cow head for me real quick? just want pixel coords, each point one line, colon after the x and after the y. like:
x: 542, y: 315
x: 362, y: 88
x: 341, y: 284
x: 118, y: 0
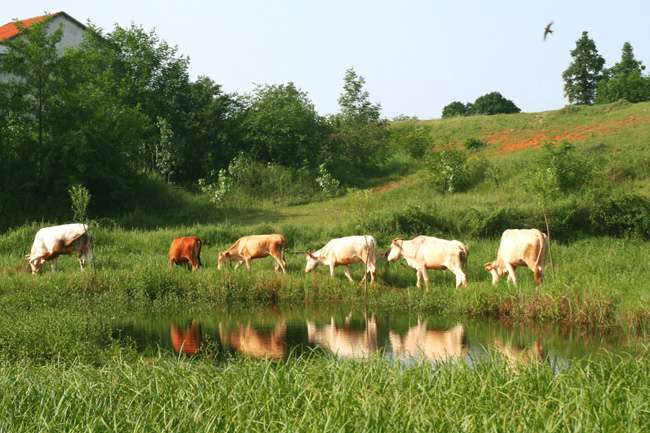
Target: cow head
x: 224, y: 259
x: 35, y: 264
x: 395, y: 250
x: 312, y: 262
x: 494, y: 269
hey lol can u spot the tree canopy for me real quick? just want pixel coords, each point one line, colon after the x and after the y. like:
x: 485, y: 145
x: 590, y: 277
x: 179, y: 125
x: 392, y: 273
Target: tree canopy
x: 582, y: 76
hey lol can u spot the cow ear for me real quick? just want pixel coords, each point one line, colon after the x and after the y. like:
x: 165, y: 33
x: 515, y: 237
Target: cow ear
x: 310, y: 254
x: 488, y: 266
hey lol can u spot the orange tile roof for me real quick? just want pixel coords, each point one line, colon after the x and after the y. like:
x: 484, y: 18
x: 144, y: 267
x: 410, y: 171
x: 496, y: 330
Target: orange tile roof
x: 10, y: 30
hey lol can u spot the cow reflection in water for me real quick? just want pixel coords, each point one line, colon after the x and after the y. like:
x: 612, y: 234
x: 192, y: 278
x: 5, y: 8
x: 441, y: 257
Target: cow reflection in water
x: 434, y: 344
x: 186, y: 340
x: 249, y: 341
x: 519, y: 355
x: 343, y: 340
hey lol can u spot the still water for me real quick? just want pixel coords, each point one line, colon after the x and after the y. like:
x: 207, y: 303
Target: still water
x: 350, y: 333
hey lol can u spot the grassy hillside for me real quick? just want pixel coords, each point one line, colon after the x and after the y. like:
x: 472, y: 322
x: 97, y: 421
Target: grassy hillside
x: 613, y: 140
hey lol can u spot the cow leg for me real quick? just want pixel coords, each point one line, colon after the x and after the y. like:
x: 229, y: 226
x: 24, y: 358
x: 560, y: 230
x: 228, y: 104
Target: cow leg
x: 239, y: 264
x: 460, y: 277
x: 511, y: 273
x: 332, y: 267
x: 82, y: 259
x: 54, y: 263
x: 346, y: 269
x: 279, y: 263
x: 195, y: 265
x: 425, y: 276
x: 248, y: 264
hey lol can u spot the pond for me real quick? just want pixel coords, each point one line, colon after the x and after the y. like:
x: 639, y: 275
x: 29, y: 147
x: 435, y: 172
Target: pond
x: 353, y: 333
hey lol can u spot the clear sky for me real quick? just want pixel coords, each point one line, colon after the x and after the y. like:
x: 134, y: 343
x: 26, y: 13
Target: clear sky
x: 417, y: 56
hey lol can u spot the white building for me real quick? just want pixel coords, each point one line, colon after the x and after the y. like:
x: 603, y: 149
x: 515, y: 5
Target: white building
x: 73, y: 31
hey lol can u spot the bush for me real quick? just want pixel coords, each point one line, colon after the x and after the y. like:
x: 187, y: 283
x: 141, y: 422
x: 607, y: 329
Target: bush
x: 623, y: 215
x: 473, y: 144
x: 453, y: 171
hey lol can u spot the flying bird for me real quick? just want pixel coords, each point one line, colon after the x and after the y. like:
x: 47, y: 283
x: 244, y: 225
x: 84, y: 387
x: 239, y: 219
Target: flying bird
x: 548, y: 30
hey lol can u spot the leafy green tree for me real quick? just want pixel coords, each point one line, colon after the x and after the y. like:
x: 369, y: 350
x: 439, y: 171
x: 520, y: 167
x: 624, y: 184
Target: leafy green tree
x: 359, y: 139
x: 281, y: 125
x: 625, y: 80
x: 582, y: 76
x: 494, y: 103
x: 208, y: 126
x: 455, y: 109
x: 356, y: 108
x: 32, y: 62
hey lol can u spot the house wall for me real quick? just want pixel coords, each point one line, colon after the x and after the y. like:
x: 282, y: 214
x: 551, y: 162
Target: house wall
x: 73, y: 33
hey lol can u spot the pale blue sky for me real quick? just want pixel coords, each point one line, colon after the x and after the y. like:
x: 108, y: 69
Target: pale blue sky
x: 416, y: 56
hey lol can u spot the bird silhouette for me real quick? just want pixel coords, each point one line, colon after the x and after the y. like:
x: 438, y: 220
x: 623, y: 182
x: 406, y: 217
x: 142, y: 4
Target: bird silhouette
x: 548, y: 30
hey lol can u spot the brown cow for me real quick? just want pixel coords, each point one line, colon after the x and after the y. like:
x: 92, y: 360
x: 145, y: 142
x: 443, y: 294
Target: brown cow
x: 183, y: 250
x: 252, y: 247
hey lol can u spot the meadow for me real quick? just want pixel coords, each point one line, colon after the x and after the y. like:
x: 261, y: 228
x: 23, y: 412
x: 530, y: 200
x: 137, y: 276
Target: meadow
x: 64, y: 371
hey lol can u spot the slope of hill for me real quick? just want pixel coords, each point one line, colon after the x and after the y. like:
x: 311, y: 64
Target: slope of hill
x: 609, y: 143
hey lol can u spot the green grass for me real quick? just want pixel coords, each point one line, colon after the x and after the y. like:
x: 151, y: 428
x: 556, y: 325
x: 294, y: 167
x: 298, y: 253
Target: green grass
x: 62, y: 369
x: 324, y: 394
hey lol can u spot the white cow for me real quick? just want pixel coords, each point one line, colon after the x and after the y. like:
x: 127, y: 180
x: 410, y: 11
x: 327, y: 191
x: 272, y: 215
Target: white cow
x: 520, y: 248
x: 346, y: 251
x: 426, y: 252
x: 51, y: 242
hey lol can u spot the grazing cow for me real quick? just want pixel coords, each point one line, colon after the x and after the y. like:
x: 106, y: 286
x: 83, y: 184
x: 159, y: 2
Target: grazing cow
x: 345, y: 341
x: 183, y: 250
x: 425, y: 252
x: 255, y: 247
x: 520, y: 248
x: 422, y: 341
x: 51, y: 242
x: 346, y: 251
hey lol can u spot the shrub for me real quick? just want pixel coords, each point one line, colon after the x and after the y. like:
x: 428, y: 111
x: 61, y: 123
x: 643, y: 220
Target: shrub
x: 473, y: 144
x: 453, y: 171
x: 623, y: 215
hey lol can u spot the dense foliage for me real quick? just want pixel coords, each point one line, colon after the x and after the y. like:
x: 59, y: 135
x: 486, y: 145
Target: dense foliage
x: 491, y: 103
x: 121, y: 109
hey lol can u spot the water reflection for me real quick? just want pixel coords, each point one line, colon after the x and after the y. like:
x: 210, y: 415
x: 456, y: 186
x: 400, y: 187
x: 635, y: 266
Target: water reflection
x: 186, y: 339
x: 277, y: 332
x: 433, y: 344
x: 248, y: 340
x: 346, y: 341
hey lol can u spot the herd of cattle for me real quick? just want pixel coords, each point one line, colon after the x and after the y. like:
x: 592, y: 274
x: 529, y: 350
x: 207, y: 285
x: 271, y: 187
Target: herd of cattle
x: 518, y: 248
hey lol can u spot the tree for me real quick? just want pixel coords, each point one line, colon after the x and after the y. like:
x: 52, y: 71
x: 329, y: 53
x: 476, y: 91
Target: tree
x: 282, y: 126
x: 359, y: 138
x: 582, y: 76
x: 356, y: 108
x: 494, y: 103
x: 454, y: 109
x: 32, y: 62
x: 625, y: 80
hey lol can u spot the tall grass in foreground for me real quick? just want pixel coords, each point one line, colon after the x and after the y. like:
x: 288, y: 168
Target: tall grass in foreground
x: 325, y: 394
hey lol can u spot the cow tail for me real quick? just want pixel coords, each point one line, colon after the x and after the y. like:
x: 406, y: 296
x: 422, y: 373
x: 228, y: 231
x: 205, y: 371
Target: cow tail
x: 463, y: 256
x: 542, y: 246
x: 198, y: 254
